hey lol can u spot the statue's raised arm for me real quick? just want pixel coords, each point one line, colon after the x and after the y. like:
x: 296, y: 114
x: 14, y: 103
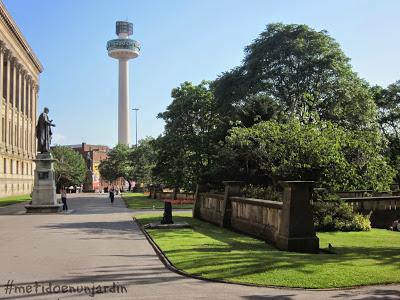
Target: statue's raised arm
x: 43, y: 131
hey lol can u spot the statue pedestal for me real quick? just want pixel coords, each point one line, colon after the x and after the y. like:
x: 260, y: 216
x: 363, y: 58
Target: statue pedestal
x: 44, y: 199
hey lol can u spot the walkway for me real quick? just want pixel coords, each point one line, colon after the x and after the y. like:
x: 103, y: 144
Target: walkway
x: 98, y: 245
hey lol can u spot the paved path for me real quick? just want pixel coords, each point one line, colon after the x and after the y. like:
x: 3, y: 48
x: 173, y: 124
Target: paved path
x: 98, y: 245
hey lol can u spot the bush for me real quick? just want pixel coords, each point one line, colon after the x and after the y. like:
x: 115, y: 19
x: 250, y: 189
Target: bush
x: 262, y: 192
x: 333, y: 214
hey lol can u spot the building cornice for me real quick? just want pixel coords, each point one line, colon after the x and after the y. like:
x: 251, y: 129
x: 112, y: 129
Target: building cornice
x: 8, y: 20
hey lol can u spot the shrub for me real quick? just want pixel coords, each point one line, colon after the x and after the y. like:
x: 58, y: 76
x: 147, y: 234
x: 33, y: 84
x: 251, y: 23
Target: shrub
x: 333, y: 214
x: 262, y: 192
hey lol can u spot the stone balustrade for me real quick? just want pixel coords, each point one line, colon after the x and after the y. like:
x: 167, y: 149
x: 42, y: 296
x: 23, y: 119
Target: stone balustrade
x: 288, y: 224
x: 383, y: 209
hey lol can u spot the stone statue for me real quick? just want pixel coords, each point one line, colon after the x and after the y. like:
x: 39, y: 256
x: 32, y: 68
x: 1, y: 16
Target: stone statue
x: 43, y: 131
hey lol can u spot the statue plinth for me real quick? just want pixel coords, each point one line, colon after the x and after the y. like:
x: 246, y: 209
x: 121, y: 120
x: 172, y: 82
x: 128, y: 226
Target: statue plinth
x: 44, y: 199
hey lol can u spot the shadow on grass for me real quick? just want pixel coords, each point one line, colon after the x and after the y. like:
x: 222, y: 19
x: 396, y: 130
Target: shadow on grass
x: 217, y: 253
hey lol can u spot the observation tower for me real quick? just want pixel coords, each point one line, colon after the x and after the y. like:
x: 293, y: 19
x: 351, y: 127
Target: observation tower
x: 123, y: 48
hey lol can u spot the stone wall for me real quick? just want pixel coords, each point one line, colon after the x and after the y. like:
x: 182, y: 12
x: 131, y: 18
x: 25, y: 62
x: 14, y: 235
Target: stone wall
x: 158, y: 193
x: 256, y: 217
x: 288, y: 225
x: 211, y: 207
x: 384, y: 209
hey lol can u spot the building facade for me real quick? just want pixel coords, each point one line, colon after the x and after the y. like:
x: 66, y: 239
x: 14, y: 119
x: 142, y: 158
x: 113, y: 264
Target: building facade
x: 93, y: 155
x: 19, y: 86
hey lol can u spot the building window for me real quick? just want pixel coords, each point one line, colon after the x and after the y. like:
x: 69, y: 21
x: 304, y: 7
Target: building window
x: 5, y: 165
x: 11, y: 166
x: 17, y: 169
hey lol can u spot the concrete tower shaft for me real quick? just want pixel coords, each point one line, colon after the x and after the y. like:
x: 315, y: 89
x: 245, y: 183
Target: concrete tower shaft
x: 123, y: 49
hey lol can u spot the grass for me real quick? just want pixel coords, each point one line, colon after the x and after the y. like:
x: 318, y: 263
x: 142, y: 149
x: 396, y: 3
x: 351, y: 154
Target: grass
x: 141, y: 201
x: 14, y: 199
x: 361, y: 258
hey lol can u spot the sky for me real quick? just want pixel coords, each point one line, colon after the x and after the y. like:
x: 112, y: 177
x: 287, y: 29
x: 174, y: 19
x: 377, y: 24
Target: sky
x: 181, y: 40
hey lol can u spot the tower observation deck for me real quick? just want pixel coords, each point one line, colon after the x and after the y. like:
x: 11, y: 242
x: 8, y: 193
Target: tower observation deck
x: 123, y: 48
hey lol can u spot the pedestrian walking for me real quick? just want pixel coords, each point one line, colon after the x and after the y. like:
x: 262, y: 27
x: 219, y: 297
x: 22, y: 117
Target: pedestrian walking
x: 112, y: 195
x: 64, y: 198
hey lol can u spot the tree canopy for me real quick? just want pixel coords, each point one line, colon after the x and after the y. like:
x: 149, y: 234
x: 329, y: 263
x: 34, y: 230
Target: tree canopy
x: 143, y: 159
x: 117, y: 165
x: 388, y: 102
x: 293, y: 70
x: 70, y: 167
x: 187, y: 148
x: 335, y: 158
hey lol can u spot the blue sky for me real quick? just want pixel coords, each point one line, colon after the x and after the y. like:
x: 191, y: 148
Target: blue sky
x: 181, y: 40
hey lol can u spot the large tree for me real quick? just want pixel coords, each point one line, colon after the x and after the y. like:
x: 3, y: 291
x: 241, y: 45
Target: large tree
x: 388, y: 102
x: 70, y: 167
x: 295, y: 70
x: 186, y: 150
x: 143, y: 159
x: 117, y: 165
x: 334, y: 157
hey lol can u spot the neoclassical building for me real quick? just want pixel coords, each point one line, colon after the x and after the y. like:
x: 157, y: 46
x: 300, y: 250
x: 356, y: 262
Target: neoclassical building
x: 19, y: 85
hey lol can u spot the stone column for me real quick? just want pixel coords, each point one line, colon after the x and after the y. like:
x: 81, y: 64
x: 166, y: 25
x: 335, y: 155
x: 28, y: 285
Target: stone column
x: 2, y: 130
x: 34, y: 94
x: 200, y: 188
x: 296, y: 229
x: 19, y: 107
x: 14, y: 103
x: 232, y: 189
x: 28, y: 116
x: 23, y: 113
x: 7, y: 100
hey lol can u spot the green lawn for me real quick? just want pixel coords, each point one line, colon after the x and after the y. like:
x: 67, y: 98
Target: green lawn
x: 140, y: 201
x: 14, y: 199
x: 360, y: 258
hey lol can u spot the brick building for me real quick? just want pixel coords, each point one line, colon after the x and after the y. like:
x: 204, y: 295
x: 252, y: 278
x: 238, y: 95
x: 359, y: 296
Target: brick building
x: 93, y: 155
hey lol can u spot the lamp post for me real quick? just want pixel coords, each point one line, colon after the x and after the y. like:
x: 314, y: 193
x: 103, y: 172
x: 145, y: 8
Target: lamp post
x: 136, y: 110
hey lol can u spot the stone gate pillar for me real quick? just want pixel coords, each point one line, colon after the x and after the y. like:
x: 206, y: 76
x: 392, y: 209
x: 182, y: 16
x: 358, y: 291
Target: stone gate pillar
x: 200, y: 188
x: 232, y: 189
x: 296, y: 230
